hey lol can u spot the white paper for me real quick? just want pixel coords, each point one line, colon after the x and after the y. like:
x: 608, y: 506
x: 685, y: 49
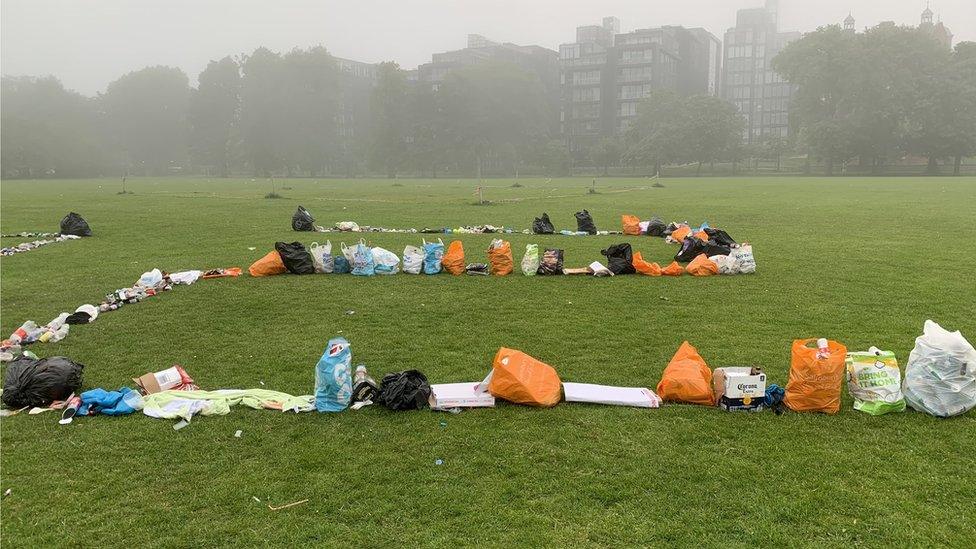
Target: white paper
x: 464, y: 395
x: 641, y: 397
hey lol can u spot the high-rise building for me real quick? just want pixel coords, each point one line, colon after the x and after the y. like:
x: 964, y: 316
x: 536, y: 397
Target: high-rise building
x: 749, y: 81
x: 605, y: 74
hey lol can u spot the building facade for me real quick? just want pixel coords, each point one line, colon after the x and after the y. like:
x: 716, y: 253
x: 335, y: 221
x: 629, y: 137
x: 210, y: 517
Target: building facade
x: 749, y: 81
x: 939, y: 31
x: 605, y: 74
x: 356, y: 82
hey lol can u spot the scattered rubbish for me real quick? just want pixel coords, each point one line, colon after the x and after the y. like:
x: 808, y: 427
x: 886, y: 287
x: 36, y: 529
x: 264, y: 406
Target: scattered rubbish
x: 350, y: 312
x: 287, y: 505
x: 74, y: 224
x: 438, y: 462
x: 255, y: 498
x: 252, y: 248
x: 238, y: 433
x: 7, y: 492
x: 687, y: 378
x: 180, y: 424
x: 174, y: 378
x: 519, y: 378
x: 459, y: 395
x: 443, y: 423
x: 364, y: 387
x: 640, y: 397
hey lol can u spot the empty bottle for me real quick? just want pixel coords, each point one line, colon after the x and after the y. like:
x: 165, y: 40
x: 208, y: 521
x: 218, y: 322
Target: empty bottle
x: 363, y: 387
x: 822, y: 350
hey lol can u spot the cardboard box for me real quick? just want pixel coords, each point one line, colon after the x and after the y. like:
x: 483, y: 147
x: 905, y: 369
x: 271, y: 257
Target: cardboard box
x: 739, y: 388
x: 459, y: 395
x: 640, y: 397
x: 174, y: 378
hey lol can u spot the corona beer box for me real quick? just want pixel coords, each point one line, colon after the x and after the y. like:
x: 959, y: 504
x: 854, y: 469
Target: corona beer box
x: 739, y: 388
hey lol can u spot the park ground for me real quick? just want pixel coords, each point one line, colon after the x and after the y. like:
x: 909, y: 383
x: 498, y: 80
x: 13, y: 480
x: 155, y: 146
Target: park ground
x: 864, y: 261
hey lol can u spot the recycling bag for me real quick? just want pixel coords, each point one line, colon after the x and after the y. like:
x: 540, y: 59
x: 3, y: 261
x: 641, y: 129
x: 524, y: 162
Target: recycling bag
x: 815, y: 381
x: 386, y: 262
x: 268, y: 265
x: 500, y: 260
x: 453, y: 260
x: 874, y: 381
x: 433, y: 255
x: 530, y: 261
x: 322, y: 257
x: 940, y: 377
x: 362, y: 260
x: 413, y: 260
x: 333, y: 377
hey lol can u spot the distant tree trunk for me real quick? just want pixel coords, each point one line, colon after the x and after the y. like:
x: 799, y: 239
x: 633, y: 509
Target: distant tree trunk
x: 735, y: 165
x: 829, y: 166
x: 606, y: 169
x: 806, y: 166
x: 657, y: 168
x: 933, y: 166
x: 779, y: 161
x: 698, y: 169
x: 956, y: 164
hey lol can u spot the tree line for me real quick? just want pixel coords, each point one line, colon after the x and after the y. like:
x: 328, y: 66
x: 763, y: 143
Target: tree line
x: 874, y: 96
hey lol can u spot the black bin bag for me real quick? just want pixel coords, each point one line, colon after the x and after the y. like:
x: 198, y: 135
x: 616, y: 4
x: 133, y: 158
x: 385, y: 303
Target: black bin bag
x: 656, y: 227
x: 76, y: 225
x: 720, y: 237
x: 29, y: 382
x: 407, y: 390
x: 302, y: 220
x: 295, y: 257
x: 584, y: 222
x: 620, y: 259
x: 542, y: 225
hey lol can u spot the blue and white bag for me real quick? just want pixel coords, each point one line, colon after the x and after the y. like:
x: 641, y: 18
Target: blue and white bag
x: 333, y: 377
x: 433, y: 254
x: 413, y: 260
x: 387, y: 263
x: 362, y: 260
x: 322, y: 257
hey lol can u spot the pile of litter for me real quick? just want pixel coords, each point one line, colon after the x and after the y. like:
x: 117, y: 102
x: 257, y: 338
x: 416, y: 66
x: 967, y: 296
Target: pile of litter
x: 151, y: 283
x: 940, y: 380
x: 73, y: 227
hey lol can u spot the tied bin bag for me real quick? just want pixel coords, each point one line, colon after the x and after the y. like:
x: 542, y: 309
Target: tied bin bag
x: 453, y: 260
x: 295, y: 257
x: 815, y: 382
x: 687, y: 378
x: 302, y: 220
x: 76, y: 225
x: 407, y: 390
x: 30, y: 382
x: 584, y: 222
x: 940, y: 377
x: 542, y: 225
x: 631, y: 224
x: 500, y: 260
x: 268, y: 265
x: 519, y: 378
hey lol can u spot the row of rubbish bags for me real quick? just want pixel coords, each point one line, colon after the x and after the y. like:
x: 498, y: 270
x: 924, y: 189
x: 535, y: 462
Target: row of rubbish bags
x: 940, y: 380
x: 434, y: 257
x: 72, y: 227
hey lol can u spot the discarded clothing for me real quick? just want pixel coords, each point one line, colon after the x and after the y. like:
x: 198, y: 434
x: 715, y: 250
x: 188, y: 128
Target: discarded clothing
x: 185, y: 404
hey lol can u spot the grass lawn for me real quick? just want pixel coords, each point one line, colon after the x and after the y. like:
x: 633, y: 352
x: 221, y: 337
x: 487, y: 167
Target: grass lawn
x: 864, y: 261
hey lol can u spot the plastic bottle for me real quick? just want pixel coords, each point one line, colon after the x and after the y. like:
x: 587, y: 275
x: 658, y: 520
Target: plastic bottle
x: 822, y: 350
x: 70, y: 409
x: 58, y: 321
x: 21, y: 333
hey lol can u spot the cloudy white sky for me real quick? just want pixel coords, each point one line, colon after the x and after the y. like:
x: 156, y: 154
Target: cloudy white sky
x: 88, y: 43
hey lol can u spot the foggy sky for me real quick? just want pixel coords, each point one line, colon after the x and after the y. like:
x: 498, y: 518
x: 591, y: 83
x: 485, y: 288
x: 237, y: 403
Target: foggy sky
x: 88, y: 43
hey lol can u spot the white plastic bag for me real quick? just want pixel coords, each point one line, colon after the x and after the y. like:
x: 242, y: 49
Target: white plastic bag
x: 321, y: 253
x: 724, y: 264
x: 741, y: 260
x: 413, y: 260
x: 150, y: 279
x: 940, y: 377
x: 347, y: 226
x: 387, y: 263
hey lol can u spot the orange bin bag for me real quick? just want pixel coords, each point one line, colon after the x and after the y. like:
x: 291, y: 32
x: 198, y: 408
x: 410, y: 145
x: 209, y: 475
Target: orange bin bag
x: 702, y: 266
x: 680, y: 233
x: 268, y: 265
x: 519, y: 378
x: 687, y: 378
x: 702, y: 235
x: 815, y: 383
x: 674, y: 269
x: 500, y: 259
x: 631, y: 224
x: 643, y: 267
x: 453, y: 260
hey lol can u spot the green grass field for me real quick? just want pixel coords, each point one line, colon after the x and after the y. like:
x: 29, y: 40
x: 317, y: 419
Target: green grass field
x: 863, y: 261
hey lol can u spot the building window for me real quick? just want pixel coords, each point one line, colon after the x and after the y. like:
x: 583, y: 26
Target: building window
x: 586, y: 94
x: 628, y: 108
x: 586, y: 77
x: 634, y: 91
x: 635, y: 74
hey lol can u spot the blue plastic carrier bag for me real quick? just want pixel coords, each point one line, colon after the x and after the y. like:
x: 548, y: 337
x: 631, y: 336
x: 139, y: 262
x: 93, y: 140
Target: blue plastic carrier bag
x: 333, y: 378
x: 433, y: 253
x: 362, y: 260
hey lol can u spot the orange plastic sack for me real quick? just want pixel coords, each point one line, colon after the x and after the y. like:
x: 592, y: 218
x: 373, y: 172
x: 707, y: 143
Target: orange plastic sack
x: 631, y: 224
x: 815, y: 383
x: 268, y: 265
x: 453, y: 260
x: 680, y: 233
x: 674, y: 269
x: 643, y: 267
x: 500, y: 259
x: 687, y: 378
x: 702, y: 266
x: 220, y: 273
x: 702, y: 235
x: 519, y: 378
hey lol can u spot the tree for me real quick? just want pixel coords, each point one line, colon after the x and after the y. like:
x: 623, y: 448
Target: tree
x: 606, y: 152
x: 307, y: 113
x: 389, y: 119
x: 491, y: 104
x: 555, y: 157
x: 48, y: 130
x: 943, y: 121
x: 213, y: 114
x: 652, y: 136
x: 145, y: 114
x: 709, y: 127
